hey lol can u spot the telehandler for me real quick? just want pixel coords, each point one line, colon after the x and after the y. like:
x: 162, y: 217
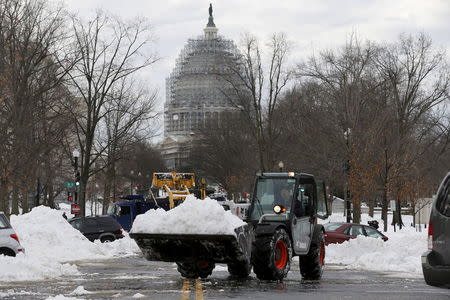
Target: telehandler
x: 281, y: 223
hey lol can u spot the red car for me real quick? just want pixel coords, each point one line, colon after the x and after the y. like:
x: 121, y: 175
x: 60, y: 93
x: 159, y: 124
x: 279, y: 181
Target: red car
x: 336, y: 233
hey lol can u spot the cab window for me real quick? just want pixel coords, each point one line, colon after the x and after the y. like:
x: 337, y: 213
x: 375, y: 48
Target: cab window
x: 124, y: 210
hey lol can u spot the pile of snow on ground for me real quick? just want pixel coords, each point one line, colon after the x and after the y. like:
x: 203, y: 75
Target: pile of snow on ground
x: 400, y: 254
x: 193, y: 216
x: 50, y: 242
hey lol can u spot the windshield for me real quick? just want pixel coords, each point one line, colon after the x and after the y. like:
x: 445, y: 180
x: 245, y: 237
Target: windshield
x: 111, y: 209
x: 270, y: 192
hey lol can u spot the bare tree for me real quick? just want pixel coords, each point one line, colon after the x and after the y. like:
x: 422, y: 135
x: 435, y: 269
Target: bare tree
x: 257, y: 90
x: 130, y: 118
x: 418, y: 80
x: 108, y: 51
x: 223, y: 152
x: 30, y: 34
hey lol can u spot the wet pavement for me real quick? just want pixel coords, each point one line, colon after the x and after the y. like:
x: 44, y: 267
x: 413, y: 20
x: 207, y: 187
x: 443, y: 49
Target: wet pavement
x: 136, y: 278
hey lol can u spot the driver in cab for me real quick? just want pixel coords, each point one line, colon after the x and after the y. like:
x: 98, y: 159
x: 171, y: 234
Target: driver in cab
x: 285, y: 197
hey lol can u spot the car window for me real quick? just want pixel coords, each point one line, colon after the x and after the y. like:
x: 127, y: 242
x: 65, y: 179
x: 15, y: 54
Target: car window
x: 355, y: 230
x: 76, y: 224
x: 371, y: 232
x: 443, y: 202
x: 331, y: 226
x: 4, y: 222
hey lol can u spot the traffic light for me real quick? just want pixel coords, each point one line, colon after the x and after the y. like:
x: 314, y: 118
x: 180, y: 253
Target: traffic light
x: 77, y: 179
x: 69, y: 196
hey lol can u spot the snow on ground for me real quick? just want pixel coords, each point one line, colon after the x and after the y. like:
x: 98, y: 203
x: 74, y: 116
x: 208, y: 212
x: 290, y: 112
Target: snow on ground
x: 50, y: 243
x: 80, y: 290
x: 193, y: 216
x: 400, y: 254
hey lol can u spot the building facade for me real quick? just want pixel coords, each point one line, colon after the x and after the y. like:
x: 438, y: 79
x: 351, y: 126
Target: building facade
x: 197, y: 90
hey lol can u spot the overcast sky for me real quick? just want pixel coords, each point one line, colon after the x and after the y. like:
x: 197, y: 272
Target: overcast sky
x: 311, y: 25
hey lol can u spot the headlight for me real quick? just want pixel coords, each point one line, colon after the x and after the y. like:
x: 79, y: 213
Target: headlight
x: 278, y: 209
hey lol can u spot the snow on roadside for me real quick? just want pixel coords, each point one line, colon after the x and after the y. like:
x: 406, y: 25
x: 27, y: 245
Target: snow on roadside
x: 400, y: 254
x: 50, y: 242
x: 193, y: 216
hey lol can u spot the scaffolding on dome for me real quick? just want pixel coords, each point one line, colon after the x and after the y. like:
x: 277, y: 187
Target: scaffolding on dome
x: 195, y: 90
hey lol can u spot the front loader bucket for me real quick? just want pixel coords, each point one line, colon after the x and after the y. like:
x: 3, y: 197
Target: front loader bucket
x: 195, y: 247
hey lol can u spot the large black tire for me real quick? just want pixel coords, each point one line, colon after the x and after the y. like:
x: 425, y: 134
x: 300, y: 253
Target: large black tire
x: 311, y: 264
x: 240, y: 270
x: 192, y: 270
x: 271, y: 256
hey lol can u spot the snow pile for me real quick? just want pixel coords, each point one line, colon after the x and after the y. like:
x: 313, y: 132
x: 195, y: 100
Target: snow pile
x: 45, y: 233
x: 400, y: 254
x: 193, y: 216
x: 28, y: 267
x: 80, y: 290
x: 122, y: 247
x: 50, y: 242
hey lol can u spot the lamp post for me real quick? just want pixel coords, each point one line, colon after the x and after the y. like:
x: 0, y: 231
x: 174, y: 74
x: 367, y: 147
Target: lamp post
x: 281, y: 166
x: 75, y: 155
x: 347, y: 167
x: 131, y: 183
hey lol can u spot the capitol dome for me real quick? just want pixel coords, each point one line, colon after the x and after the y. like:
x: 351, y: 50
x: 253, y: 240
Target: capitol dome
x: 196, y: 90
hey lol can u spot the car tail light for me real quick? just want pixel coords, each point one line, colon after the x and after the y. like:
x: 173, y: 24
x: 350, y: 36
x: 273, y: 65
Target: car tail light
x: 430, y: 236
x: 14, y: 236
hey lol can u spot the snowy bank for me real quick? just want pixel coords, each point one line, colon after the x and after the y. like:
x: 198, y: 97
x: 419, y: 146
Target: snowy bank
x: 400, y: 254
x: 193, y: 216
x: 50, y: 242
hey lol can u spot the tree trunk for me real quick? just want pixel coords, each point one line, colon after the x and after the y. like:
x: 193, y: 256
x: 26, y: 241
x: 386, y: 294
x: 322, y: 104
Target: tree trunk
x: 371, y: 204
x: 4, y: 199
x: 384, y: 208
x: 15, y: 199
x: 356, y: 208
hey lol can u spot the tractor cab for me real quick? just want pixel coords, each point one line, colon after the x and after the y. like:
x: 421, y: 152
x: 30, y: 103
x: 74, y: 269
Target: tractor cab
x: 286, y: 196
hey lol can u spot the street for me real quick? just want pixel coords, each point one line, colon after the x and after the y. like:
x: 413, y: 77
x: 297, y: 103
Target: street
x: 134, y: 277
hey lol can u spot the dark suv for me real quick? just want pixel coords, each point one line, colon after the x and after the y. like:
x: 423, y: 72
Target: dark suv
x: 436, y: 261
x: 103, y: 228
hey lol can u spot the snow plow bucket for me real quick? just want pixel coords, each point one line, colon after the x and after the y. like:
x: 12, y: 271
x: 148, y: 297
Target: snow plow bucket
x: 195, y: 247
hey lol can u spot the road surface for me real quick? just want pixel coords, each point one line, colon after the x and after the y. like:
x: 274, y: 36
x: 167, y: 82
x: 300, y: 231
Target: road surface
x: 136, y: 278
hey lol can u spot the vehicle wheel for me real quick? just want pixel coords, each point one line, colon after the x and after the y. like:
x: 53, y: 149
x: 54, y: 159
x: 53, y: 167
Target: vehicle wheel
x: 191, y: 270
x: 311, y: 264
x: 271, y: 256
x: 240, y: 270
x: 7, y: 252
x: 107, y: 239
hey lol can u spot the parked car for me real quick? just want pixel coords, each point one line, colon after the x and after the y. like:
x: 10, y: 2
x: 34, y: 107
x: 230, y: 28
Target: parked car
x: 103, y: 228
x: 436, y: 261
x: 336, y: 233
x: 9, y: 241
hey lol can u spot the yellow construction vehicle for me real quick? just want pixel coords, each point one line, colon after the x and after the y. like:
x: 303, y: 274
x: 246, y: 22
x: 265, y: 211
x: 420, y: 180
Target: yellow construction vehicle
x: 177, y: 185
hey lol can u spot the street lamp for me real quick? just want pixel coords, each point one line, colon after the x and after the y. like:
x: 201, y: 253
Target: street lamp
x: 281, y: 166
